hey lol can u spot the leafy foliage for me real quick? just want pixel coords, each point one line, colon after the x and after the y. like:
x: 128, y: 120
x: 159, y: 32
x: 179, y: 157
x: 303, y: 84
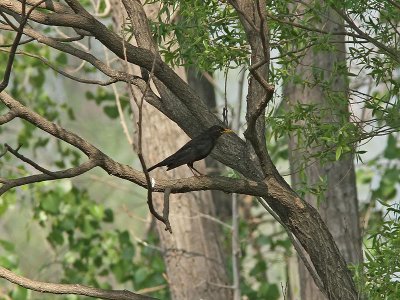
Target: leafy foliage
x: 380, y: 276
x: 206, y: 34
x: 90, y: 251
x: 255, y: 247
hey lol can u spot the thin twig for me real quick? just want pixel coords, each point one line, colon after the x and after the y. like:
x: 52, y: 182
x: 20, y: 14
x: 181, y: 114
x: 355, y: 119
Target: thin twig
x: 264, y: 34
x: 225, y: 109
x: 65, y: 74
x: 29, y: 161
x: 20, y: 43
x: 394, y: 54
x: 10, y: 62
x: 139, y: 146
x: 118, y: 103
x: 166, y: 210
x: 68, y: 173
x: 235, y: 248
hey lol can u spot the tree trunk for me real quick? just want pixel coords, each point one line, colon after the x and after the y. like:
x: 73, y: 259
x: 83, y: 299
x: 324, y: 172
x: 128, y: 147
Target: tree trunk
x: 205, y: 90
x: 339, y: 209
x: 180, y: 104
x: 193, y: 255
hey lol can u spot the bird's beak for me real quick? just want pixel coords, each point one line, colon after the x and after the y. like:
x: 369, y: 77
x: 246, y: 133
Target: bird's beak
x: 227, y: 130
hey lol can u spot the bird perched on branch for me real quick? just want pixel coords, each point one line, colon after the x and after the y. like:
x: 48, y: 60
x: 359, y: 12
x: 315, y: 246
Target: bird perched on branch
x: 196, y: 149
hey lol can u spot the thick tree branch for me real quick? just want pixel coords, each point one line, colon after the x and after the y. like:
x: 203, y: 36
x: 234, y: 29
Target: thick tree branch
x: 112, y: 167
x: 296, y: 245
x: 74, y: 289
x: 53, y: 6
x: 139, y: 56
x: 260, y: 91
x: 66, y: 48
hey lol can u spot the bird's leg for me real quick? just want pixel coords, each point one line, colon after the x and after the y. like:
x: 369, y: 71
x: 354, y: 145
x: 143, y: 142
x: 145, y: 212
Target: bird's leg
x: 190, y: 165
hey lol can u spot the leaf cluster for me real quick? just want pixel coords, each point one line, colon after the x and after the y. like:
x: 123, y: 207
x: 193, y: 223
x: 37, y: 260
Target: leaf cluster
x: 206, y: 34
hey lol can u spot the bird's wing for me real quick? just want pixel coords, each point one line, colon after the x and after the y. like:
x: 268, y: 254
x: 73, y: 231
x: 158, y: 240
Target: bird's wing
x: 182, y: 157
x: 177, y: 159
x: 190, y: 152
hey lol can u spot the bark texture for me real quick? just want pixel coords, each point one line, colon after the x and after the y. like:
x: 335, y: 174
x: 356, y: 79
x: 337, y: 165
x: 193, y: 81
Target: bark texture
x: 339, y: 208
x: 193, y: 254
x: 205, y: 90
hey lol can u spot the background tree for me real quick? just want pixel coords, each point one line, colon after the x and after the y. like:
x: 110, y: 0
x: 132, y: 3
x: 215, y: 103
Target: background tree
x: 319, y: 79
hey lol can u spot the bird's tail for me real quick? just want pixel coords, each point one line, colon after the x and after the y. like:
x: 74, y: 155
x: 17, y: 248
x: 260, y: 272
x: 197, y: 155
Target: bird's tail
x: 153, y: 167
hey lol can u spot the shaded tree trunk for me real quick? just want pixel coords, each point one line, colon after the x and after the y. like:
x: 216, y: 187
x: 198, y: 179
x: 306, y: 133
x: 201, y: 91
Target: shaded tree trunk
x: 205, y: 90
x: 193, y: 255
x: 339, y: 209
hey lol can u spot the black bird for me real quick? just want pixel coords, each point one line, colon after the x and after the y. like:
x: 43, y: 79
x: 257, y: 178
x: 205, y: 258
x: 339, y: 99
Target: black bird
x: 198, y: 148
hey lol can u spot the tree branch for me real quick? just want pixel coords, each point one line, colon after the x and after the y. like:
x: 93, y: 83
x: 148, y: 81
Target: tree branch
x: 66, y: 74
x: 75, y: 289
x: 27, y: 160
x: 9, y: 116
x: 139, y: 56
x: 394, y: 54
x: 297, y: 246
x: 260, y: 91
x: 98, y: 158
x: 68, y: 173
x: 25, y: 16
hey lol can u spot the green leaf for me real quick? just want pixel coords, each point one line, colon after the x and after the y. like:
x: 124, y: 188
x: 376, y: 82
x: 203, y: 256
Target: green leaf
x: 391, y: 150
x: 62, y: 58
x: 8, y: 261
x: 140, y: 275
x: 108, y: 215
x: 56, y: 237
x: 50, y: 203
x: 338, y: 152
x: 20, y: 293
x: 67, y: 224
x: 111, y: 111
x: 8, y: 246
x: 97, y: 211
